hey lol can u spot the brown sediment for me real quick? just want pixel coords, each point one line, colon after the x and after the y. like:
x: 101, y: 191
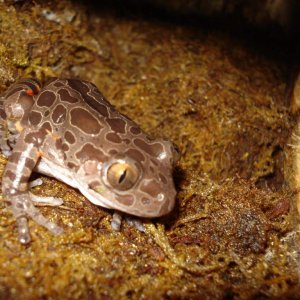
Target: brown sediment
x: 222, y: 101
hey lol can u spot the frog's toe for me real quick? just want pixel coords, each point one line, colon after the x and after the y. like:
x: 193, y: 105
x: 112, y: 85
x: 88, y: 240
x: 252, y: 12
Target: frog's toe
x: 35, y: 182
x: 135, y: 222
x: 51, y: 201
x: 55, y: 229
x: 23, y: 230
x: 6, y: 153
x: 36, y: 216
x: 116, y: 221
x: 132, y: 221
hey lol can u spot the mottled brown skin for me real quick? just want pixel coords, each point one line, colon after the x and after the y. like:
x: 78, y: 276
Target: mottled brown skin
x: 69, y: 131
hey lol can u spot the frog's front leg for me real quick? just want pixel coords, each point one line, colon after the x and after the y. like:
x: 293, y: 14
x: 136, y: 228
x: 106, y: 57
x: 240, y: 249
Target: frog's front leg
x: 15, y: 183
x: 5, y: 149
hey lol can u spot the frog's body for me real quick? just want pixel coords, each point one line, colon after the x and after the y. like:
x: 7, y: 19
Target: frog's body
x: 69, y: 131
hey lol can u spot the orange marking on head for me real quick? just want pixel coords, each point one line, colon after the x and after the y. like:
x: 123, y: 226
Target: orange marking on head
x: 29, y: 92
x: 40, y: 154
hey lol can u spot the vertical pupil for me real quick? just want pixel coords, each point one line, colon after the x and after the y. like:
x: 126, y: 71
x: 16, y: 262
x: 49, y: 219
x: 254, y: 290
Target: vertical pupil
x: 122, y: 177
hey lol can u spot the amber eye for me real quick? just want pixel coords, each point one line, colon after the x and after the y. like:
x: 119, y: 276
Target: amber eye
x: 122, y: 175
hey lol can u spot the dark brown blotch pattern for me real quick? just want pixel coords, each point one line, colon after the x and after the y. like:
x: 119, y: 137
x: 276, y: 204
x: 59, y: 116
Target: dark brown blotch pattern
x: 11, y: 175
x: 112, y: 152
x: 58, y: 144
x: 113, y: 137
x: 46, y: 98
x: 126, y: 141
x: 58, y: 84
x: 47, y: 126
x: 65, y: 147
x: 2, y: 113
x: 94, y: 184
x: 151, y: 188
x: 85, y: 121
x: 71, y: 165
x: 95, y: 101
x: 116, y: 124
x: 59, y: 114
x: 127, y: 200
x: 36, y: 138
x: 152, y: 149
x: 135, y: 130
x: 135, y: 154
x: 35, y: 118
x: 69, y: 137
x: 78, y: 85
x: 89, y: 152
x: 66, y: 96
x: 16, y: 156
x: 102, y: 109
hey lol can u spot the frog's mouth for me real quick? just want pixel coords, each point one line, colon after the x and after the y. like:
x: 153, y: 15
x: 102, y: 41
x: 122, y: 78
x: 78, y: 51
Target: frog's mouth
x: 108, y: 202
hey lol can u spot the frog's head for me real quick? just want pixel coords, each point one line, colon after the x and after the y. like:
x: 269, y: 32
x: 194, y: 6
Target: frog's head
x: 136, y: 179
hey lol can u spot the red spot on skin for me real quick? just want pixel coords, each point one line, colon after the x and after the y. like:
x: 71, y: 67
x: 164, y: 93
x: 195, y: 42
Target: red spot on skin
x: 29, y: 92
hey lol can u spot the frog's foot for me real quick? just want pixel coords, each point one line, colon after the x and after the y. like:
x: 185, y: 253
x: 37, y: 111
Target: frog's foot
x: 132, y: 221
x: 51, y: 201
x: 135, y: 222
x: 35, y: 182
x: 5, y: 149
x: 23, y: 207
x: 6, y: 152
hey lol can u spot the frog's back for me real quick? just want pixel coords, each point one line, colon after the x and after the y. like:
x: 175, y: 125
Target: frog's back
x: 69, y: 101
x: 87, y: 125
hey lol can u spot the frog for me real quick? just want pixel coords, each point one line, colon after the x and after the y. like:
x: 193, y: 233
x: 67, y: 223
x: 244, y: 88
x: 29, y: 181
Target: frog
x: 67, y: 130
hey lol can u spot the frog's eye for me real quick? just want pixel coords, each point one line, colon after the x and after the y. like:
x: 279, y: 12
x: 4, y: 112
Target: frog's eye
x: 122, y: 175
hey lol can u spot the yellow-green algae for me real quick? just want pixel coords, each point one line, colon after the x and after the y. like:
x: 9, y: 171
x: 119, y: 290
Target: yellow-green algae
x: 230, y: 236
